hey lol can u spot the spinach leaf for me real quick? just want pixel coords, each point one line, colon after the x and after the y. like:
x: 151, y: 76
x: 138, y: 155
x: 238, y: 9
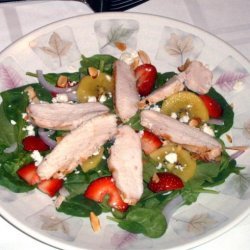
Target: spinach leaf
x: 227, y: 116
x: 149, y: 168
x: 135, y: 122
x: 150, y: 222
x: 162, y: 78
x: 102, y: 62
x: 79, y: 206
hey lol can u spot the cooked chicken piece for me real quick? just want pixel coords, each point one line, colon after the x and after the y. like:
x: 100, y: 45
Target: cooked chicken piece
x: 63, y: 116
x: 125, y: 163
x: 77, y: 146
x: 172, y: 86
x: 197, y: 77
x: 126, y: 95
x: 190, y: 138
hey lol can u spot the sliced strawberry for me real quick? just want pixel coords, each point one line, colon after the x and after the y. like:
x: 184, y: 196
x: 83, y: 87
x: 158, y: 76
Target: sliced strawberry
x: 31, y: 143
x: 99, y: 188
x: 165, y: 182
x: 150, y: 142
x: 51, y: 186
x: 146, y: 75
x: 29, y: 174
x: 213, y: 107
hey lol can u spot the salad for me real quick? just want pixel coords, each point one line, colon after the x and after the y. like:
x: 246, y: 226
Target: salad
x: 117, y: 137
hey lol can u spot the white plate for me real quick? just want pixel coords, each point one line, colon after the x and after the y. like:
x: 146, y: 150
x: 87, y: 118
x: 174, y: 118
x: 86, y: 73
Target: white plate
x: 168, y: 43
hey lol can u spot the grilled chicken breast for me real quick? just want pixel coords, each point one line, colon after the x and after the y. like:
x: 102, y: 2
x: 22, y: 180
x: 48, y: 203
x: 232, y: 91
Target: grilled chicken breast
x: 190, y: 138
x: 172, y: 86
x: 63, y: 116
x: 125, y: 163
x: 197, y: 77
x: 126, y: 95
x: 77, y: 146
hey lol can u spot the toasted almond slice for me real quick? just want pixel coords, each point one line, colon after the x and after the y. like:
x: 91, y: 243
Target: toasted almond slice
x: 32, y: 95
x: 62, y: 81
x: 59, y: 200
x: 195, y: 122
x: 241, y: 148
x: 229, y: 138
x: 144, y: 57
x: 135, y: 63
x: 155, y: 178
x: 95, y: 222
x: 59, y: 138
x: 93, y: 72
x: 184, y: 66
x: 120, y: 45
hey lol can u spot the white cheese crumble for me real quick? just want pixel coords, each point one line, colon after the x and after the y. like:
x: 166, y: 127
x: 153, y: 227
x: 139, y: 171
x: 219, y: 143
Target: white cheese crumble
x: 13, y: 122
x: 37, y: 157
x: 174, y: 115
x: 129, y: 56
x: 171, y: 158
x: 179, y: 167
x: 61, y: 98
x: 102, y: 98
x: 159, y: 166
x: 155, y: 108
x: 185, y: 118
x: 91, y: 99
x: 238, y: 86
x: 30, y: 129
x: 206, y: 129
x: 1, y: 99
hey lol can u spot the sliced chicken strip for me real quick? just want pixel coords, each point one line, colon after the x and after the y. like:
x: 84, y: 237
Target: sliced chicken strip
x: 77, y: 146
x: 125, y: 163
x: 172, y: 86
x: 197, y: 77
x: 126, y: 95
x: 190, y: 138
x: 63, y: 116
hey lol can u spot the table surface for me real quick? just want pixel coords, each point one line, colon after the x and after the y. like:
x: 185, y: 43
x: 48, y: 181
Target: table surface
x: 229, y: 20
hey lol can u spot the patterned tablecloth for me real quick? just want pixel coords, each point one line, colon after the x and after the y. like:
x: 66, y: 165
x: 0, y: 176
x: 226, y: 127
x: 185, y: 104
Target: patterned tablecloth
x: 229, y: 20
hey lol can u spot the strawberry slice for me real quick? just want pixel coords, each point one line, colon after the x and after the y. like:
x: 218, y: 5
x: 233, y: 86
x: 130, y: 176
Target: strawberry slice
x: 31, y: 143
x: 29, y: 174
x: 213, y: 107
x: 51, y: 186
x: 146, y: 75
x: 165, y: 182
x: 99, y: 188
x: 150, y: 142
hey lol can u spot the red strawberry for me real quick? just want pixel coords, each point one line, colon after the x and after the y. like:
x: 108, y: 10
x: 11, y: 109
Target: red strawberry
x: 146, y: 75
x: 165, y: 182
x: 29, y: 174
x: 99, y: 188
x: 213, y: 107
x: 31, y: 143
x: 51, y: 186
x: 150, y: 142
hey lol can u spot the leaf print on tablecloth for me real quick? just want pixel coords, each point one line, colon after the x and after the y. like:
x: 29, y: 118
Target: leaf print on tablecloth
x: 57, y: 47
x: 177, y: 45
x: 229, y: 81
x: 123, y: 240
x: 9, y: 77
x: 54, y: 224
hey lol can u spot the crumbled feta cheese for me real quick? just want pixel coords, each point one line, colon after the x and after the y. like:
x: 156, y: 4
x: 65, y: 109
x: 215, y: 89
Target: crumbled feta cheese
x: 104, y: 157
x: 37, y: 157
x: 206, y: 129
x: 109, y: 94
x: 174, y: 115
x: 91, y: 99
x: 102, y: 98
x: 171, y: 157
x: 185, y: 118
x: 129, y: 56
x: 189, y: 106
x: 13, y: 122
x: 24, y: 115
x: 159, y: 166
x: 29, y: 129
x: 9, y: 106
x: 61, y: 98
x: 1, y: 99
x: 96, y: 152
x: 155, y: 108
x: 179, y: 167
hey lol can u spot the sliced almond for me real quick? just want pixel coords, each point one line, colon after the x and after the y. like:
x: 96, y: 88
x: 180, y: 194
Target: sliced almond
x: 229, y: 138
x: 135, y: 63
x: 144, y: 57
x: 93, y: 72
x: 241, y: 148
x: 59, y: 138
x: 194, y: 122
x: 95, y: 222
x: 155, y: 178
x: 62, y: 81
x: 120, y: 45
x: 32, y: 95
x: 184, y: 66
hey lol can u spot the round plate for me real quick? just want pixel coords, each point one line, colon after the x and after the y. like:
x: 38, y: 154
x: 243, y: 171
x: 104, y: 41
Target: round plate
x: 57, y: 48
